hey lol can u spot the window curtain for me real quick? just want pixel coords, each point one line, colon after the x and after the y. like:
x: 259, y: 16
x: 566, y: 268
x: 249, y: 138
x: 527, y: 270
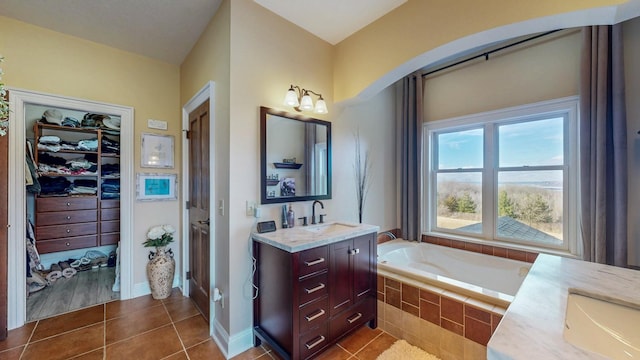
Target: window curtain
x: 309, y: 159
x: 409, y: 154
x: 603, y: 147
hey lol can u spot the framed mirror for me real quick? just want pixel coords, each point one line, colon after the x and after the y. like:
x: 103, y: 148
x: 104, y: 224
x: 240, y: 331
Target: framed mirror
x: 295, y: 153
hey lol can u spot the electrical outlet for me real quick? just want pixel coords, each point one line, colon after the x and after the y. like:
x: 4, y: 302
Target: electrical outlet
x: 250, y: 208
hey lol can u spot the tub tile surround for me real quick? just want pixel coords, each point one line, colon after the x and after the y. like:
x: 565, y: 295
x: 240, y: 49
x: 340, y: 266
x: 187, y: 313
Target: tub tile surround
x: 533, y: 326
x: 527, y: 256
x: 465, y: 317
x: 513, y: 254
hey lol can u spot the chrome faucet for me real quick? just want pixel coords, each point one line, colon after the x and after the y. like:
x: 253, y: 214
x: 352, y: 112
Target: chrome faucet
x: 313, y: 212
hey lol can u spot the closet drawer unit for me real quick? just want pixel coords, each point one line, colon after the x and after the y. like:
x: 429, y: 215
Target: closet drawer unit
x: 66, y: 203
x: 109, y: 227
x: 313, y: 288
x: 313, y: 260
x: 49, y: 246
x: 110, y: 214
x: 110, y: 204
x: 64, y: 231
x: 109, y: 239
x: 313, y: 314
x: 66, y: 217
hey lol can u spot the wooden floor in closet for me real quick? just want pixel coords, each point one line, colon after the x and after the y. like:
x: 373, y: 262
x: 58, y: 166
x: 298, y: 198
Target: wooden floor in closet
x: 84, y: 289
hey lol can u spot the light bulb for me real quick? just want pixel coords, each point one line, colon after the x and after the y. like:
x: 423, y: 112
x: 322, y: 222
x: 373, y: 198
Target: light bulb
x: 306, y: 103
x: 321, y: 107
x: 291, y: 99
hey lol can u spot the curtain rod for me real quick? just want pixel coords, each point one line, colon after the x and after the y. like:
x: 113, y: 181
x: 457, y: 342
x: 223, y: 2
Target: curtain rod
x: 486, y: 54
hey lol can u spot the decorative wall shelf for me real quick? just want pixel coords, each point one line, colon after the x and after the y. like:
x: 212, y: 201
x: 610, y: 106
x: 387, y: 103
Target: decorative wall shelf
x: 287, y: 165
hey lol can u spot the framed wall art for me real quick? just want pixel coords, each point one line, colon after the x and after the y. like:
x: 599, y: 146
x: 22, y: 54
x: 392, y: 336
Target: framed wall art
x: 157, y: 151
x: 151, y: 187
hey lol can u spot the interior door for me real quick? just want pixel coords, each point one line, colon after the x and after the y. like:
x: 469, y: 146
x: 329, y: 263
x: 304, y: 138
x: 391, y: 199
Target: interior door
x: 199, y: 212
x: 4, y: 218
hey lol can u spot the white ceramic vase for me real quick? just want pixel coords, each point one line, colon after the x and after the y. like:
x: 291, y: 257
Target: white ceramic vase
x: 160, y: 271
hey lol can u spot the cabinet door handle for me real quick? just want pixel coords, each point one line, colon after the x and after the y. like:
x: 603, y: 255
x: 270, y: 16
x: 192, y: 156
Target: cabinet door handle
x: 315, y: 316
x: 314, y: 262
x: 354, y: 251
x: 317, y: 341
x: 312, y: 290
x: 354, y: 318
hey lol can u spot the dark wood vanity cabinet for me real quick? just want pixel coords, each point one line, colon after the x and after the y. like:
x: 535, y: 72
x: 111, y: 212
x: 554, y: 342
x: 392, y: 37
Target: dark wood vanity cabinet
x: 308, y: 300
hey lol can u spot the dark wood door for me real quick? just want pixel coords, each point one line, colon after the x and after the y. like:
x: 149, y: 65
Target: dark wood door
x: 341, y: 283
x: 199, y: 212
x: 4, y: 219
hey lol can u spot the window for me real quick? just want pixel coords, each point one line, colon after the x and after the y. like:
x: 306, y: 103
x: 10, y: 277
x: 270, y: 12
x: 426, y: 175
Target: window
x: 505, y: 176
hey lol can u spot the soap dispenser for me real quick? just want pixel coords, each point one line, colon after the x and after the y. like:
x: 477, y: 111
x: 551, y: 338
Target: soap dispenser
x: 291, y: 217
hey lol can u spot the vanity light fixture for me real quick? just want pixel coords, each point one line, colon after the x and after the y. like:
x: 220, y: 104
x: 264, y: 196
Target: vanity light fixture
x: 301, y: 100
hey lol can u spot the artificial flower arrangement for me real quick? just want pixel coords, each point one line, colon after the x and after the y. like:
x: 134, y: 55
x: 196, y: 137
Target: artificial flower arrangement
x: 160, y: 235
x: 4, y: 105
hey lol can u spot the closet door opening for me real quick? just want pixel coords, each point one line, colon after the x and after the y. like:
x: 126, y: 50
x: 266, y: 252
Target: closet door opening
x: 70, y: 207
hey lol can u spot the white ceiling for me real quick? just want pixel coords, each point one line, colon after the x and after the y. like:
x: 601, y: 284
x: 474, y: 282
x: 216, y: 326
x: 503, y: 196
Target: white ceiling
x: 331, y: 20
x: 167, y: 29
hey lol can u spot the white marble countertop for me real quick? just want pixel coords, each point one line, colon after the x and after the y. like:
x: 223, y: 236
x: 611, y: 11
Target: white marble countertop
x: 532, y: 327
x: 306, y: 237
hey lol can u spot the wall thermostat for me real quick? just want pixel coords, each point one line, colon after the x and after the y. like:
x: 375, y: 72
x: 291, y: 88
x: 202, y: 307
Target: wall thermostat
x: 266, y: 226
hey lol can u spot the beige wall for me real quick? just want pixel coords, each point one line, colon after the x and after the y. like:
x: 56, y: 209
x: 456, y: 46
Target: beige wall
x: 419, y: 26
x: 42, y: 60
x: 265, y: 59
x: 209, y: 61
x: 546, y: 70
x: 252, y: 66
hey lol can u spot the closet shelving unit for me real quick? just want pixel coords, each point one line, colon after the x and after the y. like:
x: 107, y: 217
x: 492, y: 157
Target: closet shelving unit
x: 76, y: 221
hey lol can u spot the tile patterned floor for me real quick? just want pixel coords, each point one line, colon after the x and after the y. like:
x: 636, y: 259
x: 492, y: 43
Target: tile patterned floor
x: 144, y: 328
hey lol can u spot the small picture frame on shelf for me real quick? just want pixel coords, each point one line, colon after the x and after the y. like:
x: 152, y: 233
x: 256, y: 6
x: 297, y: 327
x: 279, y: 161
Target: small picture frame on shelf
x: 157, y: 151
x: 153, y: 187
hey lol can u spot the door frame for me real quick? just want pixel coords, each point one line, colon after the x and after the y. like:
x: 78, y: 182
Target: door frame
x: 18, y: 98
x: 206, y: 93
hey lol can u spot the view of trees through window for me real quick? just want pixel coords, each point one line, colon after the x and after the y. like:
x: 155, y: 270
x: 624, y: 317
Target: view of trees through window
x: 527, y: 192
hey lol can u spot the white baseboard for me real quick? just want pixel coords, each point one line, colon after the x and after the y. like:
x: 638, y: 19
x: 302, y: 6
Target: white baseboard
x: 234, y: 345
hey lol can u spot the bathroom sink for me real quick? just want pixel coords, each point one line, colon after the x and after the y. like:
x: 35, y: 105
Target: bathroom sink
x: 329, y: 228
x: 603, y: 326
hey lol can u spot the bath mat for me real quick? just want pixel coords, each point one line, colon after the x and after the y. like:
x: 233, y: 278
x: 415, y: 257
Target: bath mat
x: 402, y: 350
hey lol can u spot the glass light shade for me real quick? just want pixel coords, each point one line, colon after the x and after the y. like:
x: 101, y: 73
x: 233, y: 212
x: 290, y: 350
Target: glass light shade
x: 321, y: 107
x: 306, y: 103
x: 291, y: 99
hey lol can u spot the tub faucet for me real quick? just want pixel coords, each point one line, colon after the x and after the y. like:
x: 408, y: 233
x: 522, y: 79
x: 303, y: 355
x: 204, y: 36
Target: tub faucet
x: 313, y: 211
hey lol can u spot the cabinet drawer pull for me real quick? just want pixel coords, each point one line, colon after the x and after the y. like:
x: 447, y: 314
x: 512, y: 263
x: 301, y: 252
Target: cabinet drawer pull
x: 317, y: 341
x: 67, y: 243
x: 354, y: 318
x: 68, y: 231
x: 354, y: 251
x: 314, y: 262
x: 312, y: 290
x: 68, y: 204
x: 68, y: 217
x: 315, y: 316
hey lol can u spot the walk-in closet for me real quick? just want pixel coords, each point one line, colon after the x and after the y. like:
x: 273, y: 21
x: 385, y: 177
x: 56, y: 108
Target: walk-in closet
x: 72, y: 187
